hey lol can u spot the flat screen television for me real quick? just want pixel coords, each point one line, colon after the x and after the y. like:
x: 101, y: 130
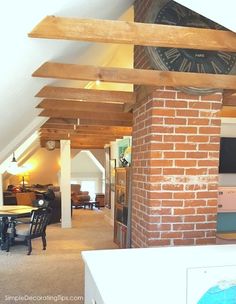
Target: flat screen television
x: 227, y: 155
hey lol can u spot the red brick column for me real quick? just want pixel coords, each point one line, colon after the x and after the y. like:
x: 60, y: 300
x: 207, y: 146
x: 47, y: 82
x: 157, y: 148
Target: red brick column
x: 175, y: 169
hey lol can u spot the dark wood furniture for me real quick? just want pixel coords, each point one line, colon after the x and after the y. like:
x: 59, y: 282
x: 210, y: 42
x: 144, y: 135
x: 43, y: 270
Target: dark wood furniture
x: 35, y: 228
x: 8, y: 215
x: 100, y: 197
x: 91, y: 204
x: 122, y: 207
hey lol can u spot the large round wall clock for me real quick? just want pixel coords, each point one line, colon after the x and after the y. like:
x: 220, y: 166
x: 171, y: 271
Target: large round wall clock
x: 187, y: 60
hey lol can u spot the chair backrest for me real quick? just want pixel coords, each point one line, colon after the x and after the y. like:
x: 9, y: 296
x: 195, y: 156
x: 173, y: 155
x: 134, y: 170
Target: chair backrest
x: 40, y: 203
x: 39, y: 221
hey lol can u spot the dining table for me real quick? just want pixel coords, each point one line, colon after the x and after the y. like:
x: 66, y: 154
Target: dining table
x: 8, y: 216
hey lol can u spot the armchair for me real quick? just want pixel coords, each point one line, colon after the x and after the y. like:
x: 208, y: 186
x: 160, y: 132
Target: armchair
x: 78, y: 197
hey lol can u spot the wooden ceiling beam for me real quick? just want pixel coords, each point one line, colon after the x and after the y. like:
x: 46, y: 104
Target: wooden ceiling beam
x: 229, y: 101
x: 72, y: 105
x: 228, y: 111
x: 135, y: 76
x: 90, y: 122
x: 85, y: 133
x: 58, y: 127
x: 73, y: 145
x: 80, y: 141
x: 86, y: 94
x: 62, y: 121
x: 87, y: 129
x: 113, y: 116
x: 74, y: 134
x: 112, y: 123
x: 84, y: 138
x: 53, y: 27
x: 229, y: 93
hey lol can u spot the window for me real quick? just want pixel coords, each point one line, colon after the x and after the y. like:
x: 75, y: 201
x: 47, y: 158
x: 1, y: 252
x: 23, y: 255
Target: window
x: 89, y: 186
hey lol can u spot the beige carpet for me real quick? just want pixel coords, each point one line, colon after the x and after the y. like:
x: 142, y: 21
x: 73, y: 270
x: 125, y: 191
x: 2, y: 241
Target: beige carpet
x: 59, y: 271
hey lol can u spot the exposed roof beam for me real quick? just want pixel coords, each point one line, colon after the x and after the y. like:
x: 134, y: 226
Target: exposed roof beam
x: 86, y: 94
x: 74, y: 145
x: 77, y: 137
x: 134, y: 33
x: 228, y: 111
x: 113, y: 123
x: 135, y: 76
x: 89, y: 122
x: 229, y: 93
x: 80, y: 141
x: 87, y: 115
x: 63, y: 121
x: 229, y: 101
x: 72, y: 105
x: 87, y: 129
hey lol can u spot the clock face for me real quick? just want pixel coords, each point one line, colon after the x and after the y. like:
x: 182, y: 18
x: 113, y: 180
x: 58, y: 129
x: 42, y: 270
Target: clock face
x: 186, y: 60
x: 51, y: 144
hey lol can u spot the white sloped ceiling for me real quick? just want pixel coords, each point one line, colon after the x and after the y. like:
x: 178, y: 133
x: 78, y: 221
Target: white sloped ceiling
x: 21, y: 56
x: 222, y: 12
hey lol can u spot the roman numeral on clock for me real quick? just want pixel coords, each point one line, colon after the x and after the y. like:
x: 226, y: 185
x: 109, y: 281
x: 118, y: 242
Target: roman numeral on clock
x: 201, y: 68
x: 225, y: 57
x: 185, y: 65
x: 172, y: 55
x: 216, y: 68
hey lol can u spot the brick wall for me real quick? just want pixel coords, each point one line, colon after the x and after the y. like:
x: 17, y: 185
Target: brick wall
x: 175, y: 169
x: 175, y: 158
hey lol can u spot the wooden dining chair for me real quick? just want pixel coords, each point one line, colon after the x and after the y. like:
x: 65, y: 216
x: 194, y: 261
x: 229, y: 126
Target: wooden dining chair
x: 35, y: 228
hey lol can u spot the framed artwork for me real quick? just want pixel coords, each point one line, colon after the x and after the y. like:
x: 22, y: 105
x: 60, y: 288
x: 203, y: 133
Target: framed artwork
x: 112, y: 174
x: 124, y: 146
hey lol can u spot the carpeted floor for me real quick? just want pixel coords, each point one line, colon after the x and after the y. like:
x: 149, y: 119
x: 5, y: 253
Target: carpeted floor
x: 57, y: 273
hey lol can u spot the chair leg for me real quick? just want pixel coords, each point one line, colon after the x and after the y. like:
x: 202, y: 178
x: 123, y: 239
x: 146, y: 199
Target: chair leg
x: 7, y: 244
x: 44, y: 241
x: 29, y: 246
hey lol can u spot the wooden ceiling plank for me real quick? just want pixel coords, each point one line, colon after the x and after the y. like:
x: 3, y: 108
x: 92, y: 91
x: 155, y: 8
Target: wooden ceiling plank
x: 58, y: 126
x: 93, y: 123
x: 229, y: 101
x: 135, y: 76
x: 112, y: 123
x: 79, y: 138
x: 86, y: 94
x: 51, y: 104
x: 87, y: 115
x: 83, y: 133
x: 73, y: 145
x: 63, y: 121
x: 88, y: 129
x: 229, y: 93
x: 228, y: 111
x: 124, y: 32
x: 80, y: 141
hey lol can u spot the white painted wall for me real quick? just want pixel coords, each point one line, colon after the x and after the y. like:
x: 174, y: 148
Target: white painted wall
x: 83, y: 168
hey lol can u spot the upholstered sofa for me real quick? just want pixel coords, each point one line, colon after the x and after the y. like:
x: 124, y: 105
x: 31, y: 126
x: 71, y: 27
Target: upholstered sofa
x: 77, y: 196
x: 52, y: 195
